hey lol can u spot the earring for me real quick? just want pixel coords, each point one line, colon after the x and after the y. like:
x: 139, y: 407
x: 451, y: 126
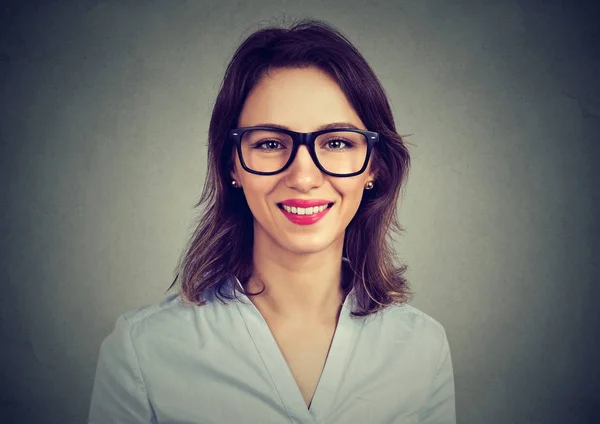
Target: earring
x: 234, y: 183
x: 369, y: 185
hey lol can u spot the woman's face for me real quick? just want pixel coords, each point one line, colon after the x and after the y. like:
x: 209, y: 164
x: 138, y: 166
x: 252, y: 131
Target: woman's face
x: 301, y: 100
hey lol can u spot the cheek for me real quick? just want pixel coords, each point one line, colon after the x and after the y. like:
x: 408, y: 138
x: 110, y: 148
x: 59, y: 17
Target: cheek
x: 257, y: 195
x: 351, y: 193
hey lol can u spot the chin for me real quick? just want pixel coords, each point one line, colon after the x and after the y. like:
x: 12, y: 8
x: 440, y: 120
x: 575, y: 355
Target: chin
x: 307, y: 245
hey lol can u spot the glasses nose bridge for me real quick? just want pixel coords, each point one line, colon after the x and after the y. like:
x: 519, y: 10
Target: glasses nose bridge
x: 304, y: 139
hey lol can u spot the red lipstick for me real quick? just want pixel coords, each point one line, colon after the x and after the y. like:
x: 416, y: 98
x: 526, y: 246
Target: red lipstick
x: 306, y: 203
x: 302, y: 203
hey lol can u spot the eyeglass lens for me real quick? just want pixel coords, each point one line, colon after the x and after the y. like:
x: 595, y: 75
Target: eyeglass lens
x: 339, y: 152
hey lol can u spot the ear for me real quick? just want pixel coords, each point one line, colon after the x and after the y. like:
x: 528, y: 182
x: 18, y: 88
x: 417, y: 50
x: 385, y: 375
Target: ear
x: 234, y: 175
x: 372, y: 174
x: 233, y: 171
x: 372, y: 167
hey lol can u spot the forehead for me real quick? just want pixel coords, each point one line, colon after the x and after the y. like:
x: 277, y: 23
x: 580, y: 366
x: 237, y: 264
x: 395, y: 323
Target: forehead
x: 302, y: 99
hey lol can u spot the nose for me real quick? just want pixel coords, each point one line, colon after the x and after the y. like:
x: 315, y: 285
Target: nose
x: 303, y: 173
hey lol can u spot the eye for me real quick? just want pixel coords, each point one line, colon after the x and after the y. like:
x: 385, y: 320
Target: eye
x: 267, y: 145
x: 338, y: 144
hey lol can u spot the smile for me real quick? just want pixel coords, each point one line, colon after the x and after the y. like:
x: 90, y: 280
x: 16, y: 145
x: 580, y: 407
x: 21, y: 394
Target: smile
x: 304, y: 216
x: 304, y: 211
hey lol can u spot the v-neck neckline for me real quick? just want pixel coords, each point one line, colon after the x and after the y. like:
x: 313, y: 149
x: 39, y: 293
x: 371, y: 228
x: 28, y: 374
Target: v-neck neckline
x: 280, y: 372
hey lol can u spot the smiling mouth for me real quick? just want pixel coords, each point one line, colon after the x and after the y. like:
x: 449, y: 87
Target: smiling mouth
x: 304, y: 211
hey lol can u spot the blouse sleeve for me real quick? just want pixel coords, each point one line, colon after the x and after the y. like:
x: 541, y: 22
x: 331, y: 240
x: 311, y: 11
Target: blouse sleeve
x: 440, y: 407
x: 119, y: 394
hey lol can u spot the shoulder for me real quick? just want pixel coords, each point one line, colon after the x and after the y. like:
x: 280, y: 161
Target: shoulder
x: 404, y: 323
x: 164, y: 308
x: 171, y: 319
x: 410, y: 317
x: 414, y: 317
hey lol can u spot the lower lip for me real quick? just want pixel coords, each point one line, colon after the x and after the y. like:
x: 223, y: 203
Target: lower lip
x: 304, y: 219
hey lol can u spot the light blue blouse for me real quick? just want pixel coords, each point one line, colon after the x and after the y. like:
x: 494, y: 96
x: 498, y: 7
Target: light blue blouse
x: 172, y: 362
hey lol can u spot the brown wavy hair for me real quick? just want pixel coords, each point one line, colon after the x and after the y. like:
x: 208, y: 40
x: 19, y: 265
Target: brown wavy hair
x: 221, y: 245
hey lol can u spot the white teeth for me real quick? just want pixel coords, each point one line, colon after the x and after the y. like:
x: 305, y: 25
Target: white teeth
x: 304, y: 211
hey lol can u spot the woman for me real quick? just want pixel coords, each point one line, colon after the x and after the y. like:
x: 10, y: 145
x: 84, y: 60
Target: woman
x: 290, y: 307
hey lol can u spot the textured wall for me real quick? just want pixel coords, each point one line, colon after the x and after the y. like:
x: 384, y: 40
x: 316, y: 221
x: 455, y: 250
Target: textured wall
x: 103, y: 123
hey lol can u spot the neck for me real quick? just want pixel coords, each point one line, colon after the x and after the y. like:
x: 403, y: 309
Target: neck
x: 303, y: 288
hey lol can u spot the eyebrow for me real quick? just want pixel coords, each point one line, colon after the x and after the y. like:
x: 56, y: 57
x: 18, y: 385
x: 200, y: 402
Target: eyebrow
x: 332, y: 125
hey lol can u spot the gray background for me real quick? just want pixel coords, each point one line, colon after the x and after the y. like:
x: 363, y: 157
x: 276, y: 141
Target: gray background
x: 103, y: 127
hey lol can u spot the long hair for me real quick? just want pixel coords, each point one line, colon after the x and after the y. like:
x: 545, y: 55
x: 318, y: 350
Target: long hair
x: 221, y: 245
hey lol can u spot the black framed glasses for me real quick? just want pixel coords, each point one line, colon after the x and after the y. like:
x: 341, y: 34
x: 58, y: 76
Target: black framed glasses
x: 339, y: 152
